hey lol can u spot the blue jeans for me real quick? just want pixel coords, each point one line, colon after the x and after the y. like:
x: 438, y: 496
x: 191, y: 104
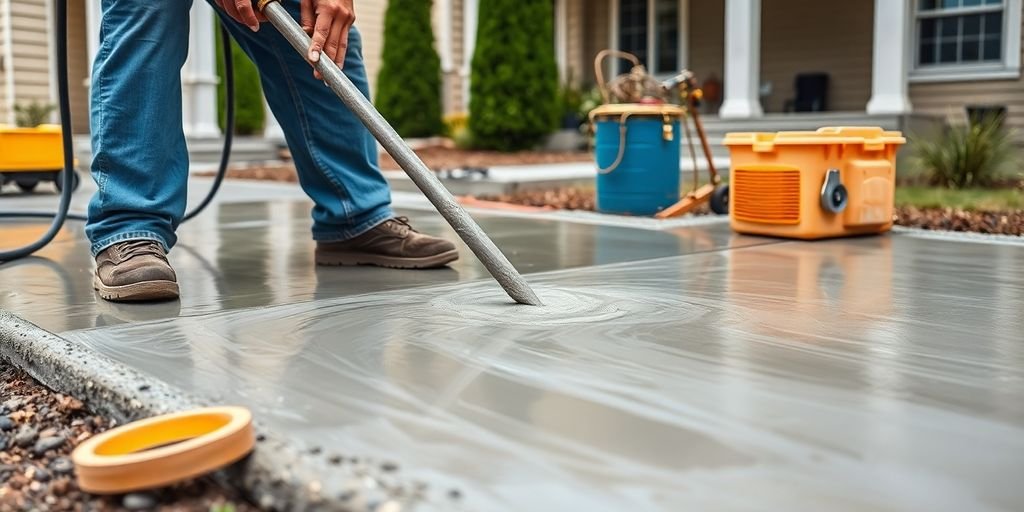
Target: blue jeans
x: 140, y: 160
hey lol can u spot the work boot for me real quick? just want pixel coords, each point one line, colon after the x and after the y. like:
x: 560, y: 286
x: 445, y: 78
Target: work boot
x: 136, y: 270
x: 393, y: 244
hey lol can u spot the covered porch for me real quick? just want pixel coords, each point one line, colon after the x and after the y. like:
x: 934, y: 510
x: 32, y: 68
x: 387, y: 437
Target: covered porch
x: 854, y: 54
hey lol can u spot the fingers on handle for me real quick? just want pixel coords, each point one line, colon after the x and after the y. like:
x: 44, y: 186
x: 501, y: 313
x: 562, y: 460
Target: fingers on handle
x: 246, y: 14
x: 306, y: 16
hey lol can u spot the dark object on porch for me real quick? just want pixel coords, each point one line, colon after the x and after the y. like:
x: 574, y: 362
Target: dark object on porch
x: 977, y: 114
x: 811, y: 93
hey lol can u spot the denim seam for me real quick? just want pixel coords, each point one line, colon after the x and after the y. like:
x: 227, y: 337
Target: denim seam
x: 101, y: 167
x: 349, y: 234
x: 339, y: 188
x: 99, y: 246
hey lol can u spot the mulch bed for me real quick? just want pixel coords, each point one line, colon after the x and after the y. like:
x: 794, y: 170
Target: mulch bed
x: 38, y: 431
x: 1009, y: 222
x: 945, y: 219
x: 450, y: 158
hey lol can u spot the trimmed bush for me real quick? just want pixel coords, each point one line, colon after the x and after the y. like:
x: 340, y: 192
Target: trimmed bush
x: 973, y: 154
x: 409, y: 82
x: 249, y: 113
x: 514, y: 96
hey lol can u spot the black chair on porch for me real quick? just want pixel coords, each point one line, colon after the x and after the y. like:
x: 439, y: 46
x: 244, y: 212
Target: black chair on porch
x: 811, y: 93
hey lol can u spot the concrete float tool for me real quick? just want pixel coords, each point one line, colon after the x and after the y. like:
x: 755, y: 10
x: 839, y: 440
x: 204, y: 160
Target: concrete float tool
x: 488, y: 253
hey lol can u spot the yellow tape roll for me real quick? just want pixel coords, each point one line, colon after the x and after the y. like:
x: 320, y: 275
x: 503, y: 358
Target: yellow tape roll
x: 162, y: 450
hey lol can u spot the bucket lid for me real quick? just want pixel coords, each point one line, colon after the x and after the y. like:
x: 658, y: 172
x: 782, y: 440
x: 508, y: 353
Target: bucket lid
x: 872, y: 137
x: 637, y: 109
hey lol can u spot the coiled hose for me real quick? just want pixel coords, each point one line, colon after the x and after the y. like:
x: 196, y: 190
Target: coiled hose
x: 67, y: 177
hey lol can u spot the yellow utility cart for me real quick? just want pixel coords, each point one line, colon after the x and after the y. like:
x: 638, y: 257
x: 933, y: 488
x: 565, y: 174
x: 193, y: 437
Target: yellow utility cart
x: 29, y: 156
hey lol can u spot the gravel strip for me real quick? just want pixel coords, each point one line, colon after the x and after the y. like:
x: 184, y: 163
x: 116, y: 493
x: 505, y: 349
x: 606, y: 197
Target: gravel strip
x: 38, y: 431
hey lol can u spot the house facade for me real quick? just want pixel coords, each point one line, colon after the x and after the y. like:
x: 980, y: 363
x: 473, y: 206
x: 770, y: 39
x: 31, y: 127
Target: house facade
x: 938, y: 58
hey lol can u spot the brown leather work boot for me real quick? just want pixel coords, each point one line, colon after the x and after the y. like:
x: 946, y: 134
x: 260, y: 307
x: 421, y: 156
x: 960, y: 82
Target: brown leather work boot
x: 136, y: 270
x: 393, y: 244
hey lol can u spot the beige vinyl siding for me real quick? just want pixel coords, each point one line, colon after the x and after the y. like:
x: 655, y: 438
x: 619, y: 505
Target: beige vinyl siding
x: 575, y: 66
x: 452, y: 82
x: 4, y: 65
x: 30, y: 37
x: 78, y: 67
x: 950, y: 99
x: 707, y: 38
x: 596, y: 36
x: 836, y: 38
x: 370, y: 21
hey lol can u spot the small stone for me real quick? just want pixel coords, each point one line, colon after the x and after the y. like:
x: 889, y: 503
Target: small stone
x: 334, y: 460
x: 454, y: 494
x: 25, y: 437
x: 59, y: 487
x: 50, y: 432
x: 388, y: 467
x: 46, y: 444
x: 62, y: 465
x: 144, y: 387
x: 6, y: 424
x: 42, y: 475
x: 260, y: 438
x: 138, y: 501
x: 12, y: 405
x: 35, y: 486
x: 315, y: 450
x: 4, y: 469
x: 3, y: 442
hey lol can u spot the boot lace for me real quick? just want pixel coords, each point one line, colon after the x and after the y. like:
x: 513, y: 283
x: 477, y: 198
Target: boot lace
x: 400, y: 225
x: 131, y: 249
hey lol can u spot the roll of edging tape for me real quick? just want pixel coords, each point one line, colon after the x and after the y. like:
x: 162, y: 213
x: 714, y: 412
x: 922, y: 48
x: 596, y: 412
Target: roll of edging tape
x: 163, y: 450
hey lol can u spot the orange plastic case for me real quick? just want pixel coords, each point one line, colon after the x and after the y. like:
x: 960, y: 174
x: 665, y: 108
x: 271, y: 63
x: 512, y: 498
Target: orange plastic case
x: 835, y: 181
x: 31, y: 149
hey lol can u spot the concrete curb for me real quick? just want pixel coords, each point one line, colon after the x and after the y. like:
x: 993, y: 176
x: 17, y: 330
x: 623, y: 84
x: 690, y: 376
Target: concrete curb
x: 276, y: 475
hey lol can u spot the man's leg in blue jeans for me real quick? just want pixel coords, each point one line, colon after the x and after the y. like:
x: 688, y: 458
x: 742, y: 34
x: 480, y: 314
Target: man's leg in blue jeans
x: 335, y: 156
x: 140, y: 160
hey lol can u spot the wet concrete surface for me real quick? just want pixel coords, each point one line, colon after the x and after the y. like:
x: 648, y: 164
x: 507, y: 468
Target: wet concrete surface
x: 255, y: 254
x: 689, y: 368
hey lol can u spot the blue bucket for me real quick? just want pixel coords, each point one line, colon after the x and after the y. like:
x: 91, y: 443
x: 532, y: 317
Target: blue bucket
x: 638, y: 169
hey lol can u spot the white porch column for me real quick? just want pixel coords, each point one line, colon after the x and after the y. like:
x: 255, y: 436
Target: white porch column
x: 742, y: 59
x: 93, y: 15
x: 199, y: 76
x: 891, y: 58
x: 469, y: 24
x: 271, y: 128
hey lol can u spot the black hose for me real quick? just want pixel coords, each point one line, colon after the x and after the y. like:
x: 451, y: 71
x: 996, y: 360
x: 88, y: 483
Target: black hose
x: 68, y: 176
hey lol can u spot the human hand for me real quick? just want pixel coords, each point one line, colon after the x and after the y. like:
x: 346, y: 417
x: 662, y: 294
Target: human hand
x: 327, y: 22
x: 242, y: 12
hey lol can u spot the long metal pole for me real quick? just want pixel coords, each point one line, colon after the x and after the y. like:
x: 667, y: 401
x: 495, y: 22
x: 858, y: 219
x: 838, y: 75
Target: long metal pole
x: 488, y: 253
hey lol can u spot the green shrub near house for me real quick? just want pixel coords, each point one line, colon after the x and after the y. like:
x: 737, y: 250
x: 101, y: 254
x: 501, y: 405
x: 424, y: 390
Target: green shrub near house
x: 514, y: 91
x: 249, y: 112
x: 974, y: 154
x: 409, y: 81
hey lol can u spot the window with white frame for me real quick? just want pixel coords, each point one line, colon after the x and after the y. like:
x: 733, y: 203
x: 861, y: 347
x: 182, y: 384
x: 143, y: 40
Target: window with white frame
x: 649, y: 29
x: 966, y: 36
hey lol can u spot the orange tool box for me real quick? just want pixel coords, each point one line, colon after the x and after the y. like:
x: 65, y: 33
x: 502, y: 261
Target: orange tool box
x: 836, y: 181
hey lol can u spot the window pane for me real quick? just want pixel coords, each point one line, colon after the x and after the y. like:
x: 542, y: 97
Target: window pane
x: 970, y: 51
x: 927, y: 5
x: 927, y: 53
x: 993, y: 24
x: 666, y: 39
x: 633, y: 30
x: 992, y: 2
x: 993, y: 49
x: 949, y: 4
x: 972, y: 25
x: 947, y: 53
x: 972, y: 3
x: 928, y: 28
x: 949, y: 26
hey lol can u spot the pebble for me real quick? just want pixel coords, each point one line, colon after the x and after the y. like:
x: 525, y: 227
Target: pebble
x: 389, y: 467
x: 6, y: 423
x: 3, y: 442
x: 60, y: 486
x: 138, y: 501
x: 62, y: 465
x: 41, y: 475
x: 46, y: 444
x: 334, y: 459
x: 12, y: 405
x: 6, y: 468
x: 25, y: 437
